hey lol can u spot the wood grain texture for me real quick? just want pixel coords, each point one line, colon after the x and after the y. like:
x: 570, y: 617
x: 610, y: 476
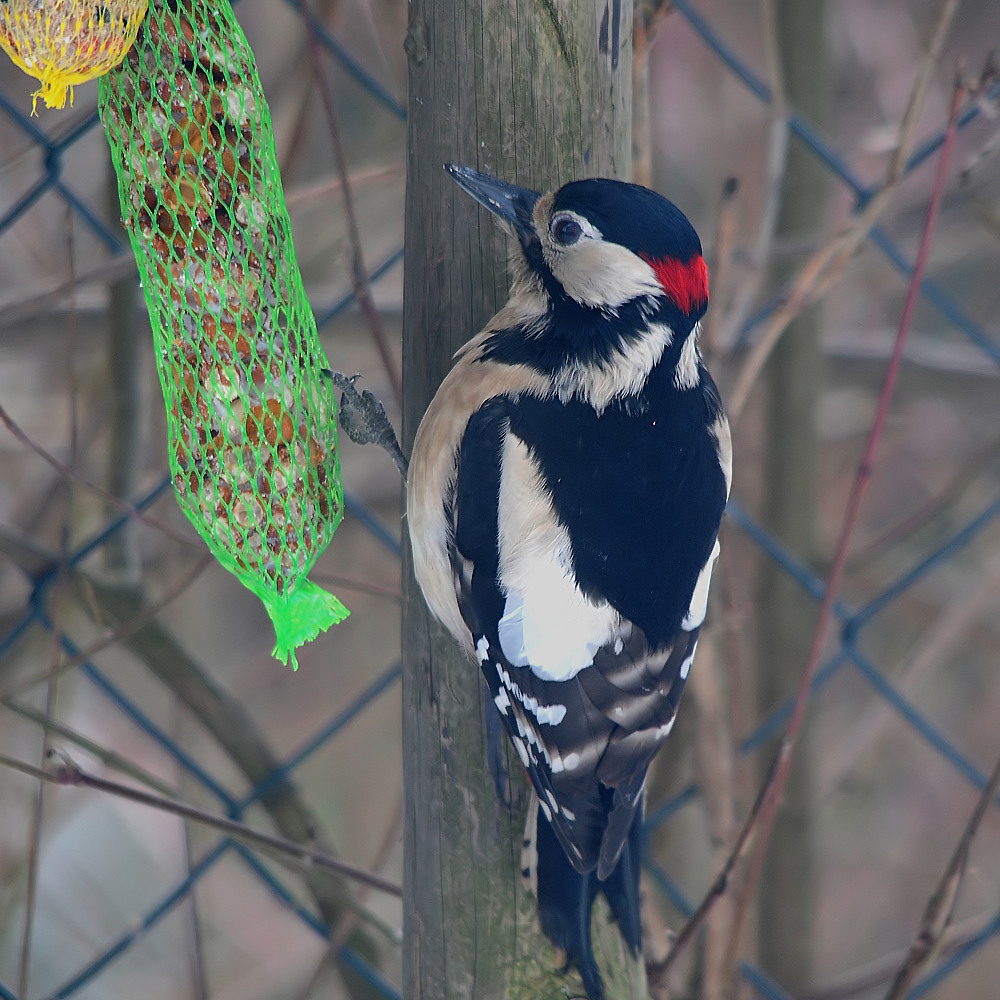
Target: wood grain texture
x: 538, y: 93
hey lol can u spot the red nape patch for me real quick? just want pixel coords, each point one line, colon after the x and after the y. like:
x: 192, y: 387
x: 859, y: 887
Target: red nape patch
x: 685, y: 282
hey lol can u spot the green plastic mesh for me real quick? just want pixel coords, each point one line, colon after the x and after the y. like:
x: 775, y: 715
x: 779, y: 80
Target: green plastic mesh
x: 250, y: 417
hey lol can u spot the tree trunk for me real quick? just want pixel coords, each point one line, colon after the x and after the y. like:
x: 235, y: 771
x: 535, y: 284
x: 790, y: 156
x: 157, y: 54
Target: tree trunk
x: 787, y: 616
x: 537, y: 93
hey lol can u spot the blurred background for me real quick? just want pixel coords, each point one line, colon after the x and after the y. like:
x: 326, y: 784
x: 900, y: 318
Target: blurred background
x: 149, y: 665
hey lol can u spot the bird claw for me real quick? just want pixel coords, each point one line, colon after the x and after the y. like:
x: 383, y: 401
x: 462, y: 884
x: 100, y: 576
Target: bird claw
x: 364, y: 420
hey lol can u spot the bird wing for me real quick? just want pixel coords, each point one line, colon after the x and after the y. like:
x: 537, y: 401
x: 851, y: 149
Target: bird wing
x: 581, y: 549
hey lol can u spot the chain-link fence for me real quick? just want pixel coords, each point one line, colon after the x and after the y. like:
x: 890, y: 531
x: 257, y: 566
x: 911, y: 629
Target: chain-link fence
x: 76, y: 920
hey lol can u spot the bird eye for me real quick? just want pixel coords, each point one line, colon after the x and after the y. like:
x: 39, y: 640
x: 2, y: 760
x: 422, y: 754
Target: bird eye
x: 565, y: 230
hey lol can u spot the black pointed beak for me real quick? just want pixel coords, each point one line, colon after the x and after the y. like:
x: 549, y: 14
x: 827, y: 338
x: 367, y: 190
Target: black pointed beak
x: 506, y: 201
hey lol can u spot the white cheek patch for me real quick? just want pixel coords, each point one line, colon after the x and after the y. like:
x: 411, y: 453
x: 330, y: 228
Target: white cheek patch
x: 601, y: 274
x: 699, y: 599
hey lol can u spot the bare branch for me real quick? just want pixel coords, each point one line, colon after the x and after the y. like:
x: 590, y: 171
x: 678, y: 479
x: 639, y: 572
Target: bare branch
x: 939, y: 640
x: 67, y: 473
x: 66, y: 772
x: 125, y: 631
x: 940, y: 906
x: 646, y: 18
x: 982, y: 458
x: 362, y: 286
x: 720, y: 884
x: 827, y: 264
x: 109, y: 758
x: 721, y: 266
x: 862, y: 478
x: 15, y: 310
x: 860, y: 981
x: 774, y: 173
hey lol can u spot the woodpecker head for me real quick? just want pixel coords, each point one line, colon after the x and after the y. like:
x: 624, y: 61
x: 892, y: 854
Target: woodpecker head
x: 601, y: 246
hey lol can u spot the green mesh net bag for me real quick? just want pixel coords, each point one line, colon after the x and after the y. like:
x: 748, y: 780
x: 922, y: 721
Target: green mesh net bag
x: 251, y: 418
x: 66, y: 42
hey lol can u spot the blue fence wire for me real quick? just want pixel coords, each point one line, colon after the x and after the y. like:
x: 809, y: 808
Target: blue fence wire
x: 837, y: 166
x: 52, y: 153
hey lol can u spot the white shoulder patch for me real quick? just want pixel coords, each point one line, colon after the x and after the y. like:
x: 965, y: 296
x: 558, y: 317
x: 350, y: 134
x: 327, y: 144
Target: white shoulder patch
x: 547, y: 623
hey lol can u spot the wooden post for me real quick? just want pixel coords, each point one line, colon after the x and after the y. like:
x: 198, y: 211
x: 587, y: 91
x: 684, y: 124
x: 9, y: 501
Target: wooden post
x: 537, y: 92
x: 787, y: 902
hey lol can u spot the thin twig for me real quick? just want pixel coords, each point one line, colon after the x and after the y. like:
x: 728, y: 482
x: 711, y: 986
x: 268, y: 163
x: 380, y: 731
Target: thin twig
x: 774, y: 173
x: 19, y: 307
x: 941, y: 904
x: 934, y: 647
x: 861, y: 481
x: 122, y: 633
x: 861, y: 981
x: 715, y: 768
x: 982, y: 458
x: 827, y: 264
x: 349, y: 920
x: 58, y: 604
x: 921, y: 86
x: 306, y: 195
x: 362, y: 286
x: 15, y: 310
x: 67, y: 473
x: 361, y: 586
x: 37, y: 819
x: 391, y: 837
x: 646, y: 17
x: 722, y: 265
x: 721, y: 881
x: 194, y: 925
x: 66, y: 772
x: 109, y: 758
x: 299, y: 130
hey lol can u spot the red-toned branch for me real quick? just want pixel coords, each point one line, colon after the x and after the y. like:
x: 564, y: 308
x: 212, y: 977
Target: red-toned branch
x: 861, y: 481
x: 761, y: 818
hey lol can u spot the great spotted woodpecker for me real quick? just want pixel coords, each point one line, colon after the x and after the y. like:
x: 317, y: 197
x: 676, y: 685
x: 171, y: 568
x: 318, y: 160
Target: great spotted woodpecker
x: 564, y: 498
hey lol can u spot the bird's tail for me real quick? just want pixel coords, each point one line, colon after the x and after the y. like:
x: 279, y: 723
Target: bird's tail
x: 566, y: 898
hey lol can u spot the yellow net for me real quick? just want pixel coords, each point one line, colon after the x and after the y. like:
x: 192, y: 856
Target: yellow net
x: 66, y: 42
